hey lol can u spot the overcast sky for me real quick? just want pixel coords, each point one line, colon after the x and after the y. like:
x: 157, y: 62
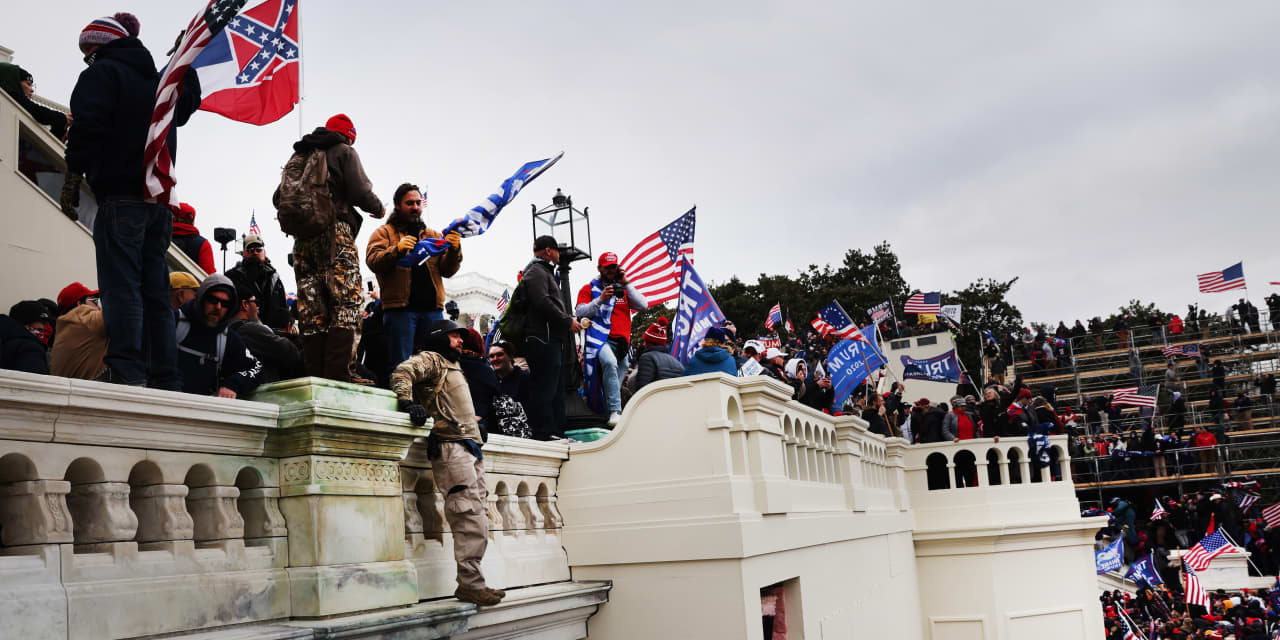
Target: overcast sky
x: 1099, y: 150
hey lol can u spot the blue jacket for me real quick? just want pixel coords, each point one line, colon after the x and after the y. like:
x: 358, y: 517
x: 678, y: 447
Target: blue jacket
x: 112, y: 102
x: 708, y: 359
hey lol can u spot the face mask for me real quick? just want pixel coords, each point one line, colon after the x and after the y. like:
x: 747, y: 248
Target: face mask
x: 43, y: 334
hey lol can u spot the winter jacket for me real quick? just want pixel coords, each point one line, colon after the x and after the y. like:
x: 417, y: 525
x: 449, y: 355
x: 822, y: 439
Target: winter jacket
x: 438, y: 384
x: 19, y: 350
x: 198, y: 351
x: 112, y: 103
x: 958, y: 424
x: 515, y: 385
x: 11, y: 76
x: 280, y: 357
x: 187, y: 238
x: 931, y: 429
x: 483, y: 384
x: 348, y: 184
x: 817, y: 397
x: 394, y: 280
x: 656, y: 364
x: 259, y: 277
x: 1020, y: 419
x: 546, y: 316
x: 81, y: 344
x: 709, y: 359
x: 876, y: 422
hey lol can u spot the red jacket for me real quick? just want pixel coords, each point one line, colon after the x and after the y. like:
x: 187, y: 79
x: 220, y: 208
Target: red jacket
x: 1205, y: 439
x: 619, y: 320
x: 964, y: 425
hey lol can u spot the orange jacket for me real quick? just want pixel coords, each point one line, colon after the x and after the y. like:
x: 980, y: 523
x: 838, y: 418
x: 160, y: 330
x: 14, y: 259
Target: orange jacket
x: 381, y: 256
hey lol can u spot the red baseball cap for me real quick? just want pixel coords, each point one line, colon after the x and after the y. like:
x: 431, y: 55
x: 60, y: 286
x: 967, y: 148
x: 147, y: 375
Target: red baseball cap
x: 72, y: 294
x: 342, y: 124
x: 607, y: 258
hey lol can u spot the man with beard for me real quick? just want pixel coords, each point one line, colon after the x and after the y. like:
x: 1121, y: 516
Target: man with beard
x: 211, y: 357
x: 255, y: 275
x: 412, y: 295
x: 432, y: 384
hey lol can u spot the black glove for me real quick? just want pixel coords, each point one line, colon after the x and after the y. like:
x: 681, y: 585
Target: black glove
x: 70, y: 196
x: 417, y: 413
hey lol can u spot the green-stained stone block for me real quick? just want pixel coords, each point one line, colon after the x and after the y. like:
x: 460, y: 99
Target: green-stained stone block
x: 328, y: 393
x: 586, y: 435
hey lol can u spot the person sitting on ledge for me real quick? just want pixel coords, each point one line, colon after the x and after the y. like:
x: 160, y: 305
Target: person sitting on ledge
x: 432, y: 383
x: 24, y: 338
x: 212, y: 359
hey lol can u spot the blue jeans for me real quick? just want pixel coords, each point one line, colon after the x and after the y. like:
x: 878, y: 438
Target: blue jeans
x: 610, y: 378
x: 130, y: 238
x: 404, y: 329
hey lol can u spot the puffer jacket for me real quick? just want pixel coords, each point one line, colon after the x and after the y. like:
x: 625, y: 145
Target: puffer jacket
x: 709, y: 359
x: 656, y: 364
x: 438, y: 384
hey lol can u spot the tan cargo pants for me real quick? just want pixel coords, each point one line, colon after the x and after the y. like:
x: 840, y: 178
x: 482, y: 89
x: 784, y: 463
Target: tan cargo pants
x: 460, y: 477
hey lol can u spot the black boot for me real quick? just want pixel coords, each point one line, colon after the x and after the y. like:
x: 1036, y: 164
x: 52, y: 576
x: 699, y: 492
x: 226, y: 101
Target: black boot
x: 338, y: 350
x: 313, y: 353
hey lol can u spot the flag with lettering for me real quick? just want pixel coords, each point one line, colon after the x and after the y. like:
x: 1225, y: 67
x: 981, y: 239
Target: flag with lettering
x: 477, y: 220
x: 696, y: 312
x: 249, y: 71
x: 1143, y: 572
x: 850, y: 362
x: 1111, y: 557
x: 881, y: 312
x: 940, y: 368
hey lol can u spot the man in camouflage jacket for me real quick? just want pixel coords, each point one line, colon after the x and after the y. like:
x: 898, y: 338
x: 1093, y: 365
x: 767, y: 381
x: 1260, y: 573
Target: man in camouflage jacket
x: 431, y: 384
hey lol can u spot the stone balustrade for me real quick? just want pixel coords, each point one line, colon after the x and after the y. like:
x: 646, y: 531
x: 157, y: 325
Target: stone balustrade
x: 127, y: 512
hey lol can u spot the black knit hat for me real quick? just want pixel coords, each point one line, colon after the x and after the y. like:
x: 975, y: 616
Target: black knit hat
x: 29, y: 311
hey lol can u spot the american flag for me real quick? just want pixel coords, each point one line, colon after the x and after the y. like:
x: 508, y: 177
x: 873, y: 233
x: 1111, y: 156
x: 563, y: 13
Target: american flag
x: 1209, y: 547
x: 924, y: 303
x: 1195, y: 592
x: 156, y: 156
x: 253, y: 225
x: 1246, y: 500
x: 832, y: 319
x: 1241, y: 484
x: 1144, y: 396
x: 1271, y: 515
x: 774, y: 317
x: 502, y: 302
x: 791, y: 328
x: 653, y: 265
x: 1179, y: 350
x: 1129, y: 633
x: 1230, y: 278
x: 1158, y: 513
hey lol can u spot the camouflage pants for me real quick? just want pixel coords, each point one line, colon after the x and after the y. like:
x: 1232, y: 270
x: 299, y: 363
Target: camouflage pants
x: 327, y: 268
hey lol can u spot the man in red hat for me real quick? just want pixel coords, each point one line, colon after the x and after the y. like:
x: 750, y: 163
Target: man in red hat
x: 187, y: 238
x: 82, y: 334
x: 327, y: 265
x: 608, y: 301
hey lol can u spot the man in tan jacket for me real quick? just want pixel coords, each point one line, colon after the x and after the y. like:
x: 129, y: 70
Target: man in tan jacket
x: 431, y: 383
x: 412, y: 296
x: 80, y: 340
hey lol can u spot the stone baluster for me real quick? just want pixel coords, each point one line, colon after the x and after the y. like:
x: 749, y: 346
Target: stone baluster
x: 100, y: 512
x: 260, y: 509
x: 431, y: 505
x: 551, y: 512
x: 215, y: 514
x: 35, y: 512
x: 512, y: 520
x: 412, y: 518
x: 162, y: 513
x: 495, y: 515
x: 533, y: 516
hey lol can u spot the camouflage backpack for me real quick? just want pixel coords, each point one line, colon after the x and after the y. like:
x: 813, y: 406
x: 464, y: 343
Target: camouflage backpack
x: 304, y: 205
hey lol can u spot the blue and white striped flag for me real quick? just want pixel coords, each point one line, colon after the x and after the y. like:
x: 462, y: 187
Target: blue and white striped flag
x: 479, y: 218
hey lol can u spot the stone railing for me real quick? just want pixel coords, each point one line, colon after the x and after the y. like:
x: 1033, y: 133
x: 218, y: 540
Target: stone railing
x: 127, y: 512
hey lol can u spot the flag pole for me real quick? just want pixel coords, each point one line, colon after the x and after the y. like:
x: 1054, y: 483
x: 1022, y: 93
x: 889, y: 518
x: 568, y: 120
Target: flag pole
x: 301, y: 75
x: 1226, y: 534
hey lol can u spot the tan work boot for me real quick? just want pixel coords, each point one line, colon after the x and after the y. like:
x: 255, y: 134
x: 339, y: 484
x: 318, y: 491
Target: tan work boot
x: 484, y: 598
x: 499, y: 592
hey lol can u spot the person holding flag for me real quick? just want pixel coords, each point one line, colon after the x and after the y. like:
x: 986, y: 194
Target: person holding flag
x: 113, y: 102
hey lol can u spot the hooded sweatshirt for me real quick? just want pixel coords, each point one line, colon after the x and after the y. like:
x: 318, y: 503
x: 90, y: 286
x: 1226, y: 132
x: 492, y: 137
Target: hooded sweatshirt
x: 709, y: 359
x: 11, y: 76
x: 19, y: 350
x: 112, y: 102
x: 197, y: 352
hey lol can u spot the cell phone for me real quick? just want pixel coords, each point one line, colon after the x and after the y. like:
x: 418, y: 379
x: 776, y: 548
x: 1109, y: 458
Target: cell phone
x: 370, y: 287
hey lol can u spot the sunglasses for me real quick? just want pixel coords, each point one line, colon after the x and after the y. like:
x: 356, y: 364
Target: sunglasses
x: 224, y: 303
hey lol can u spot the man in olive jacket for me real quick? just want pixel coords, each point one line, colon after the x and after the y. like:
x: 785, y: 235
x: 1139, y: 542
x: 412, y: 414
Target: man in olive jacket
x: 412, y: 296
x: 546, y: 326
x: 431, y: 383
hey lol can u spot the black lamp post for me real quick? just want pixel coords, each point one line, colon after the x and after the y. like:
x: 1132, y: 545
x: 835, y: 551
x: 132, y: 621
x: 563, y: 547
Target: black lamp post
x: 572, y: 230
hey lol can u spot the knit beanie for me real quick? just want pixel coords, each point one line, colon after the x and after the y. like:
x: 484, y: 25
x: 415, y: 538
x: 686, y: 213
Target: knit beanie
x: 342, y: 124
x: 656, y: 334
x: 104, y: 30
x: 185, y: 214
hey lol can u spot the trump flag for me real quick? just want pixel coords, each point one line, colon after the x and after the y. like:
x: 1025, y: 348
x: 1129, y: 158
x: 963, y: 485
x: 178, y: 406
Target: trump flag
x: 696, y: 313
x: 249, y: 71
x: 850, y: 362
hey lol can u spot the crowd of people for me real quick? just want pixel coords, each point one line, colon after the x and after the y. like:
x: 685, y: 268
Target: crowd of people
x: 1160, y: 613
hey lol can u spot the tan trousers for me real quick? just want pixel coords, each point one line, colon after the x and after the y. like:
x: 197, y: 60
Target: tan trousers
x: 460, y: 477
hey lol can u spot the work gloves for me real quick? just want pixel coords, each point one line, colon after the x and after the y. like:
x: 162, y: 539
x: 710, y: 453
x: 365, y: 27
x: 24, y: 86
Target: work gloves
x: 454, y: 239
x: 406, y: 244
x: 417, y: 413
x: 70, y: 199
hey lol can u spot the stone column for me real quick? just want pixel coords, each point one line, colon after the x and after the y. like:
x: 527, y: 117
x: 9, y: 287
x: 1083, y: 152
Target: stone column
x: 260, y: 509
x: 340, y: 447
x: 100, y: 513
x: 162, y: 513
x: 35, y: 512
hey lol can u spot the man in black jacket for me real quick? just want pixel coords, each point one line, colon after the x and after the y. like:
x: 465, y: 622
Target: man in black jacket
x: 112, y: 101
x: 546, y: 326
x: 213, y: 360
x: 655, y: 362
x: 281, y: 359
x: 24, y: 338
x: 20, y: 85
x: 255, y: 275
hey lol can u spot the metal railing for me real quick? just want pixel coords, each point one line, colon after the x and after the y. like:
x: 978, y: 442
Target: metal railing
x: 1179, y: 466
